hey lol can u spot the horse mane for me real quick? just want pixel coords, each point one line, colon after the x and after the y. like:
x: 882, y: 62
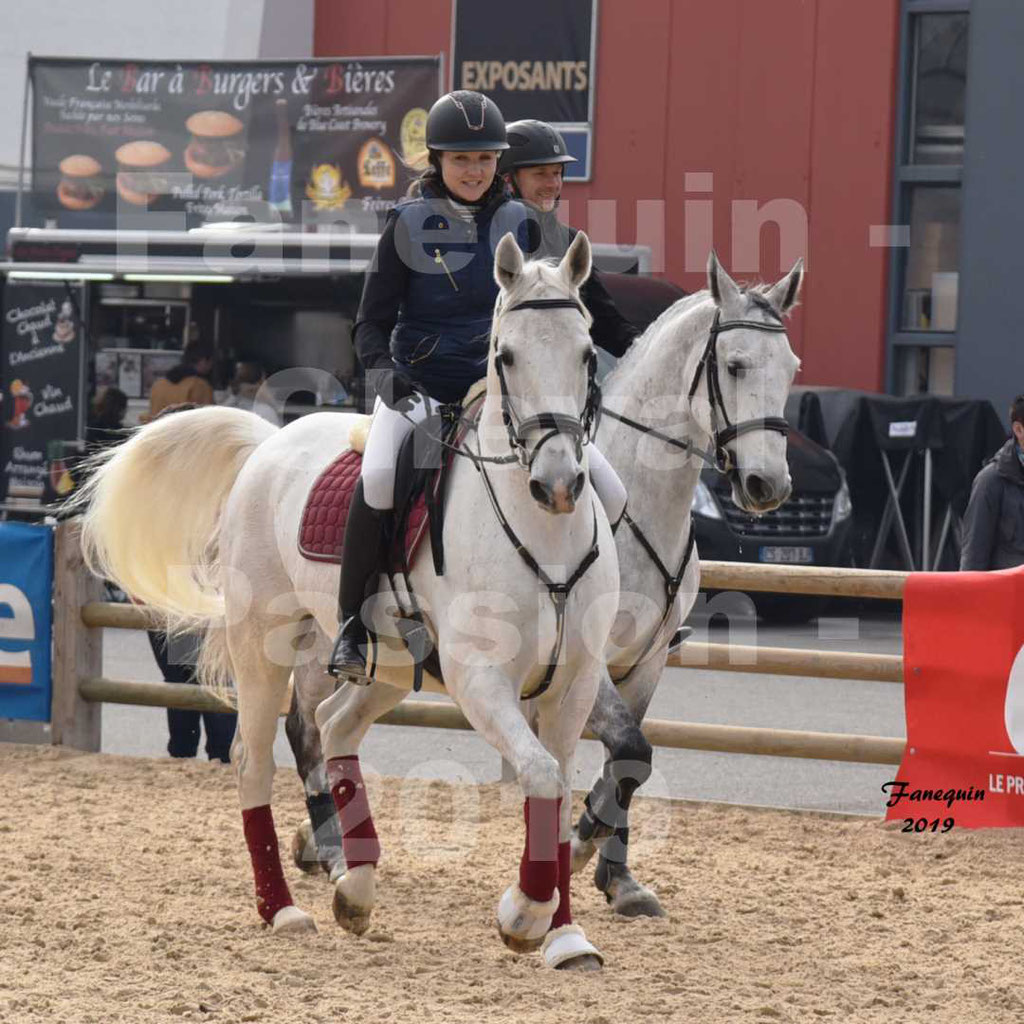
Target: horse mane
x: 755, y: 294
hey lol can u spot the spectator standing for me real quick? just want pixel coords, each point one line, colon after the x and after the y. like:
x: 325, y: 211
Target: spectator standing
x: 185, y: 383
x: 993, y: 535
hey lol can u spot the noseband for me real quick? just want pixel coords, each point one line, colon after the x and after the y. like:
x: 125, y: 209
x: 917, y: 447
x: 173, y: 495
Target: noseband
x: 555, y: 423
x: 708, y: 366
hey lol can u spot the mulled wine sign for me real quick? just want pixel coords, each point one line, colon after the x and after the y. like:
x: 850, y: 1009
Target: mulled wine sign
x: 41, y: 378
x: 223, y: 141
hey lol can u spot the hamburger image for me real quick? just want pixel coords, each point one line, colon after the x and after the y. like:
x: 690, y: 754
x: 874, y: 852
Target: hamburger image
x: 216, y: 147
x: 140, y: 171
x: 79, y: 187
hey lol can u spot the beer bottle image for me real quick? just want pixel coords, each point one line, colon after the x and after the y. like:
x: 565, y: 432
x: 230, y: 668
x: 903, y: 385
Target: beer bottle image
x: 279, y: 195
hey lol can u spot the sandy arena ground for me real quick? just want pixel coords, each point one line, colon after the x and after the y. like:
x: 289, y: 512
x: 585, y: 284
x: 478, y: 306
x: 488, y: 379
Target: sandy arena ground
x: 126, y: 895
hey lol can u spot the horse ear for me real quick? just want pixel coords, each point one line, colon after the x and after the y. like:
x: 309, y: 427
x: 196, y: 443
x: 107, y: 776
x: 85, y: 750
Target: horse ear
x: 508, y: 261
x: 576, y: 263
x: 724, y: 290
x: 782, y: 295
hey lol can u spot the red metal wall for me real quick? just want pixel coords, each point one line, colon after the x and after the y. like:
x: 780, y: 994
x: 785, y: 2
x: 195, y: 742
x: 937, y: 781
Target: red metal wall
x: 790, y: 101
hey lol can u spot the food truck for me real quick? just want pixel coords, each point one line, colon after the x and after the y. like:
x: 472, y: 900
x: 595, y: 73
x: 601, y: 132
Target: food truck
x: 240, y: 204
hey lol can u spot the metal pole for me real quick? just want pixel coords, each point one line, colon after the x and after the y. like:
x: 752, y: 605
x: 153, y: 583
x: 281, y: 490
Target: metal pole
x: 926, y: 527
x: 24, y: 135
x: 885, y: 526
x: 901, y: 529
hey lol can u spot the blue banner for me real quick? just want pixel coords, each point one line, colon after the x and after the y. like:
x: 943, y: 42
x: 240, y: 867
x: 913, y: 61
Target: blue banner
x: 26, y: 586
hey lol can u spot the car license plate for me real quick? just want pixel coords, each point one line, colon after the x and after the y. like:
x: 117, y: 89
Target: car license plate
x: 788, y: 555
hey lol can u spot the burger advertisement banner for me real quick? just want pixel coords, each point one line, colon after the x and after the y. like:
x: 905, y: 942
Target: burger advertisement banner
x: 41, y: 378
x: 222, y: 141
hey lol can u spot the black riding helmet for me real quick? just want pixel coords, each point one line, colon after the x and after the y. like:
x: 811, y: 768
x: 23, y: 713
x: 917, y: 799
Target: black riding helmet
x: 465, y: 121
x: 531, y: 143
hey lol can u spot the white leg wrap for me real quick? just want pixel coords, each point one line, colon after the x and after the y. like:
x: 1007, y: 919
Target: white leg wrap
x: 524, y: 919
x: 567, y: 943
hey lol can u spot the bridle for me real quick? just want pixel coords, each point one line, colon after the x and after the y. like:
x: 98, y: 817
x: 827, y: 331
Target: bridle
x: 708, y: 367
x: 577, y: 427
x: 722, y: 461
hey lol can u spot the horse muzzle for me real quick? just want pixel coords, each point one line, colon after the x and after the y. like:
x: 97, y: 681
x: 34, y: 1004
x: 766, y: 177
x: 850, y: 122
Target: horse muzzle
x: 760, y: 492
x: 560, y: 495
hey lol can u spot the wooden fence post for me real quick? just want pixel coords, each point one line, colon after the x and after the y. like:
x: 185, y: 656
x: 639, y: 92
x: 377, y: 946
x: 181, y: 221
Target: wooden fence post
x: 77, y: 650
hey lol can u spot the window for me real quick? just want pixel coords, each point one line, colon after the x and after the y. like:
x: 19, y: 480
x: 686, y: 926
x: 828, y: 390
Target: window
x: 925, y: 271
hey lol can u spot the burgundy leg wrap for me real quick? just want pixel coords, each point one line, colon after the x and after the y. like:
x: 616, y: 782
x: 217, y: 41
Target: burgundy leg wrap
x: 538, y: 870
x: 563, y: 915
x: 359, y: 840
x: 271, y: 889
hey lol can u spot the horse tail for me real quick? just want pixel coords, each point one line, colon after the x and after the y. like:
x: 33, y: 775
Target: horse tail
x: 152, y: 511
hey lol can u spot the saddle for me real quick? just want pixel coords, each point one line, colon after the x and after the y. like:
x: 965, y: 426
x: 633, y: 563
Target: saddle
x: 420, y: 487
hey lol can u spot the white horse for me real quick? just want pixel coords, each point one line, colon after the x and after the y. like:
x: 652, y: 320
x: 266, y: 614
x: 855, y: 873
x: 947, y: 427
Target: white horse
x: 711, y: 375
x: 198, y: 515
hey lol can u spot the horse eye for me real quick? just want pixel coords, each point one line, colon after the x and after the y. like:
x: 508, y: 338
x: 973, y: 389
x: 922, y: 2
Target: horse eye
x: 506, y: 357
x: 737, y: 370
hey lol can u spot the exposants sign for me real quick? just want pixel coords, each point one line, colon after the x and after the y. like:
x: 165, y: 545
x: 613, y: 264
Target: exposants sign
x: 215, y: 140
x: 538, y: 62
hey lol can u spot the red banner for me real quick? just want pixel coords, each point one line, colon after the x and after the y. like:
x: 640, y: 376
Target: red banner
x: 964, y: 674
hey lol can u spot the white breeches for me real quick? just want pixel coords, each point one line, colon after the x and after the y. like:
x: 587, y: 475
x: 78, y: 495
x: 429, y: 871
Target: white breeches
x: 387, y: 431
x: 389, y: 428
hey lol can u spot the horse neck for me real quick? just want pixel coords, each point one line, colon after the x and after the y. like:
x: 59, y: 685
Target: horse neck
x: 650, y: 386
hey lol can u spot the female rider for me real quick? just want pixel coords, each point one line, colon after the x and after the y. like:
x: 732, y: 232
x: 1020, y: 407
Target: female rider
x: 423, y: 327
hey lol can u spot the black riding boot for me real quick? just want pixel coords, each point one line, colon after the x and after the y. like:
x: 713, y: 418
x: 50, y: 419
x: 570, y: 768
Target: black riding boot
x: 365, y: 534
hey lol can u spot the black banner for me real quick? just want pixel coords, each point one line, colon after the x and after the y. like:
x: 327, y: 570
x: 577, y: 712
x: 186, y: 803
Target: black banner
x: 223, y: 141
x: 41, y: 377
x: 536, y: 62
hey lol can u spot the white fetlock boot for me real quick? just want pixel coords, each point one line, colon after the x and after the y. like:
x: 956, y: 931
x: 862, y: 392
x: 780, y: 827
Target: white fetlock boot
x: 567, y: 948
x: 522, y: 922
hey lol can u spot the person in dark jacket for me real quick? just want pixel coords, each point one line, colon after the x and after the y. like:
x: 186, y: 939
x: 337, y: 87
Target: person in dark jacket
x: 993, y: 536
x: 424, y: 323
x: 532, y: 167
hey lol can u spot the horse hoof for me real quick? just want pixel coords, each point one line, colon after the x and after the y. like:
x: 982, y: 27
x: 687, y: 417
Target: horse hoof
x: 350, y: 916
x: 639, y: 902
x: 586, y: 962
x: 354, y: 896
x: 292, y: 921
x: 524, y: 922
x: 518, y: 945
x: 582, y: 851
x: 567, y: 949
x: 304, y: 850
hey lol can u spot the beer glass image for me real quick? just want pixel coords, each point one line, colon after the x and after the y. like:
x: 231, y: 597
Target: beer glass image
x: 21, y: 396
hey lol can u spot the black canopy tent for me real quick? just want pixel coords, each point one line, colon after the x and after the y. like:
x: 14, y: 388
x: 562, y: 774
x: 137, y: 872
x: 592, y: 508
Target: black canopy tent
x: 910, y: 463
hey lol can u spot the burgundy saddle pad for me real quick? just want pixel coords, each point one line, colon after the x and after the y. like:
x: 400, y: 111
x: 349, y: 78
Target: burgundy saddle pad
x: 322, y: 533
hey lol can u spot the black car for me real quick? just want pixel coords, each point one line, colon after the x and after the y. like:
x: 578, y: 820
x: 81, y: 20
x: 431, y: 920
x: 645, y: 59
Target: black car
x: 811, y: 528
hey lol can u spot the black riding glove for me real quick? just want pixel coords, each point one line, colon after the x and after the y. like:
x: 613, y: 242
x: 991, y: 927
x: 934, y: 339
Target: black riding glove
x: 397, y: 390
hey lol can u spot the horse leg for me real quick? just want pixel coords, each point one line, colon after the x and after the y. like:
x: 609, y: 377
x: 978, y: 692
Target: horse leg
x: 261, y: 686
x: 344, y: 719
x: 565, y: 946
x: 604, y: 824
x: 316, y: 844
x: 489, y: 699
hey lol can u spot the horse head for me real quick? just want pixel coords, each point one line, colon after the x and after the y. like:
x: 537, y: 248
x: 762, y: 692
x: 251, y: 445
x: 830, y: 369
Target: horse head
x: 740, y: 383
x: 542, y: 363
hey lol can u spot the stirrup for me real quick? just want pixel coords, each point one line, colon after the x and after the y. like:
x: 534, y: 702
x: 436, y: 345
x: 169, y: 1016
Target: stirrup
x: 682, y: 634
x: 350, y: 663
